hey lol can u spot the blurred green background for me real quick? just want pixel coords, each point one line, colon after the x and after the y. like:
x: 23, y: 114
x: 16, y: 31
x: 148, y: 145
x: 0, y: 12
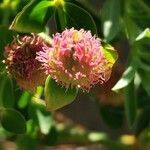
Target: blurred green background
x: 102, y: 119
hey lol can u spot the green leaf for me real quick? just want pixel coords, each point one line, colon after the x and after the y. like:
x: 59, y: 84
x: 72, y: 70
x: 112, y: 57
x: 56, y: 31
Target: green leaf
x: 27, y: 142
x: 45, y: 121
x: 111, y: 13
x: 145, y: 76
x: 142, y: 98
x: 40, y: 116
x: 6, y: 36
x: 57, y: 96
x: 143, y: 46
x: 12, y: 121
x: 143, y: 120
x: 126, y: 78
x: 132, y: 30
x: 144, y: 65
x: 7, y: 87
x: 52, y: 138
x: 130, y: 104
x: 110, y: 53
x: 60, y: 18
x: 34, y: 16
x: 24, y: 99
x: 144, y: 34
x: 72, y: 15
x: 139, y: 12
x: 144, y: 53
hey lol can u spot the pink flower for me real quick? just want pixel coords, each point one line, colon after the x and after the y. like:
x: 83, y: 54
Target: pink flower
x: 21, y: 64
x: 75, y: 59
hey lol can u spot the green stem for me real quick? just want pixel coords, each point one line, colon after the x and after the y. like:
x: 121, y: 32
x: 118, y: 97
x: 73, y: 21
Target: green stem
x: 131, y: 104
x: 38, y: 101
x: 37, y: 96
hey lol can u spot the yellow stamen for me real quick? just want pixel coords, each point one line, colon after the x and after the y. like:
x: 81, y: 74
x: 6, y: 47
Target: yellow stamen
x: 76, y: 36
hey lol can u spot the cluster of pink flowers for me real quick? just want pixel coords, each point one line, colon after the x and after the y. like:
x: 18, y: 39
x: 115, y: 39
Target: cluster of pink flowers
x: 74, y: 59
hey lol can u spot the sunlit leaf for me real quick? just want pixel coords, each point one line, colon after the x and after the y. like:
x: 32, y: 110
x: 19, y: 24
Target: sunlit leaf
x: 110, y: 53
x: 57, y: 96
x: 126, y: 78
x: 34, y: 16
x: 45, y: 121
x: 145, y: 33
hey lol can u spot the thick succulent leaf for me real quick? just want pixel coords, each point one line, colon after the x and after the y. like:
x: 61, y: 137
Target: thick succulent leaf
x: 33, y: 17
x: 57, y: 96
x: 12, y: 121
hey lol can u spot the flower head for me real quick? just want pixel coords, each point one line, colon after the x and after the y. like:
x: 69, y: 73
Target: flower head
x: 75, y: 59
x: 20, y: 60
